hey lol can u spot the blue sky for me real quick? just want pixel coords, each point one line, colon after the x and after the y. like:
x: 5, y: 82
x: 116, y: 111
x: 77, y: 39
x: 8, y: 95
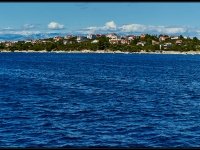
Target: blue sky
x: 88, y: 17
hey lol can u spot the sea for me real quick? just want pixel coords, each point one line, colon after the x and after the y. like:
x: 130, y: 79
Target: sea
x: 76, y: 100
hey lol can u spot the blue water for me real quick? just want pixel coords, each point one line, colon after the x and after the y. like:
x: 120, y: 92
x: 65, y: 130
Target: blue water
x: 99, y: 100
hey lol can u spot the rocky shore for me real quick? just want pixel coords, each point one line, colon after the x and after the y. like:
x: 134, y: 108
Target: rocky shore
x: 106, y: 51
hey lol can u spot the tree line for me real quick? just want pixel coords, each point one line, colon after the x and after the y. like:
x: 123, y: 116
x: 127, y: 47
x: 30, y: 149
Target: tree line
x: 104, y: 44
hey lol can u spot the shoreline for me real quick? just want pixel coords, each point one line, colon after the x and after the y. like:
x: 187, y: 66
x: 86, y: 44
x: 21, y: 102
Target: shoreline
x: 104, y: 51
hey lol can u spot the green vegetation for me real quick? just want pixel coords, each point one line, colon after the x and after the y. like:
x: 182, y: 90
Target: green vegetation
x: 148, y: 43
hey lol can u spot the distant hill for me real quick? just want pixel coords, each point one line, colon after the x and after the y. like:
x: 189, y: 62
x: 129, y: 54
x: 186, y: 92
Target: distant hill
x: 20, y: 37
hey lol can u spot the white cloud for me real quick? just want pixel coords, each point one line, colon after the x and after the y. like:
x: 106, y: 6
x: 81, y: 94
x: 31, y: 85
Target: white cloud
x: 20, y: 32
x: 26, y: 32
x: 150, y: 28
x: 175, y: 30
x: 133, y: 28
x: 170, y: 30
x: 8, y: 28
x: 29, y: 26
x: 55, y: 26
x: 92, y: 28
x: 110, y: 25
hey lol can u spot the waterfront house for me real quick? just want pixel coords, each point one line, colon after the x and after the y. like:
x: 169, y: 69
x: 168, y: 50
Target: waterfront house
x: 142, y: 36
x: 141, y: 43
x: 154, y: 42
x: 91, y: 36
x: 124, y: 40
x: 112, y: 36
x: 114, y: 41
x: 57, y: 38
x: 163, y: 38
x: 68, y: 37
x: 65, y: 42
x: 167, y: 45
x: 131, y: 37
x: 174, y: 38
x: 28, y: 41
x: 179, y: 42
x: 81, y: 39
x: 95, y: 41
x: 33, y: 41
x: 7, y: 44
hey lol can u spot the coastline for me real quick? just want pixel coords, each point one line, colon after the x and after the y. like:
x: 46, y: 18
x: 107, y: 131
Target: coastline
x: 104, y: 51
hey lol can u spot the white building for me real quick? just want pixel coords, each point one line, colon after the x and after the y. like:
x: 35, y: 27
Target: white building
x: 91, y: 36
x: 95, y: 41
x: 131, y: 37
x: 174, y: 38
x: 68, y: 37
x: 112, y: 36
x: 80, y: 39
x: 141, y: 43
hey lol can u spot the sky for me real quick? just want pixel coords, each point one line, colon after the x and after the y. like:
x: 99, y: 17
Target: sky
x: 100, y: 17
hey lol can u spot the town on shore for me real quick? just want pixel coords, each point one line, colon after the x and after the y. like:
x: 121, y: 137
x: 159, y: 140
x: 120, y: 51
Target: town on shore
x: 106, y: 43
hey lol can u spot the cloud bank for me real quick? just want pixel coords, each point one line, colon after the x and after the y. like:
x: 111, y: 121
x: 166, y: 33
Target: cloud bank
x: 139, y: 28
x: 55, y: 28
x: 109, y: 26
x: 28, y: 26
x: 150, y: 28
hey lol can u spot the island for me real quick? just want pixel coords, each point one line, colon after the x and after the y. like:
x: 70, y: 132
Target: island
x: 107, y: 43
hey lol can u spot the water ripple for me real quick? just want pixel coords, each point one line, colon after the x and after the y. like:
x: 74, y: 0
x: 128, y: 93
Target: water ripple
x: 99, y: 100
